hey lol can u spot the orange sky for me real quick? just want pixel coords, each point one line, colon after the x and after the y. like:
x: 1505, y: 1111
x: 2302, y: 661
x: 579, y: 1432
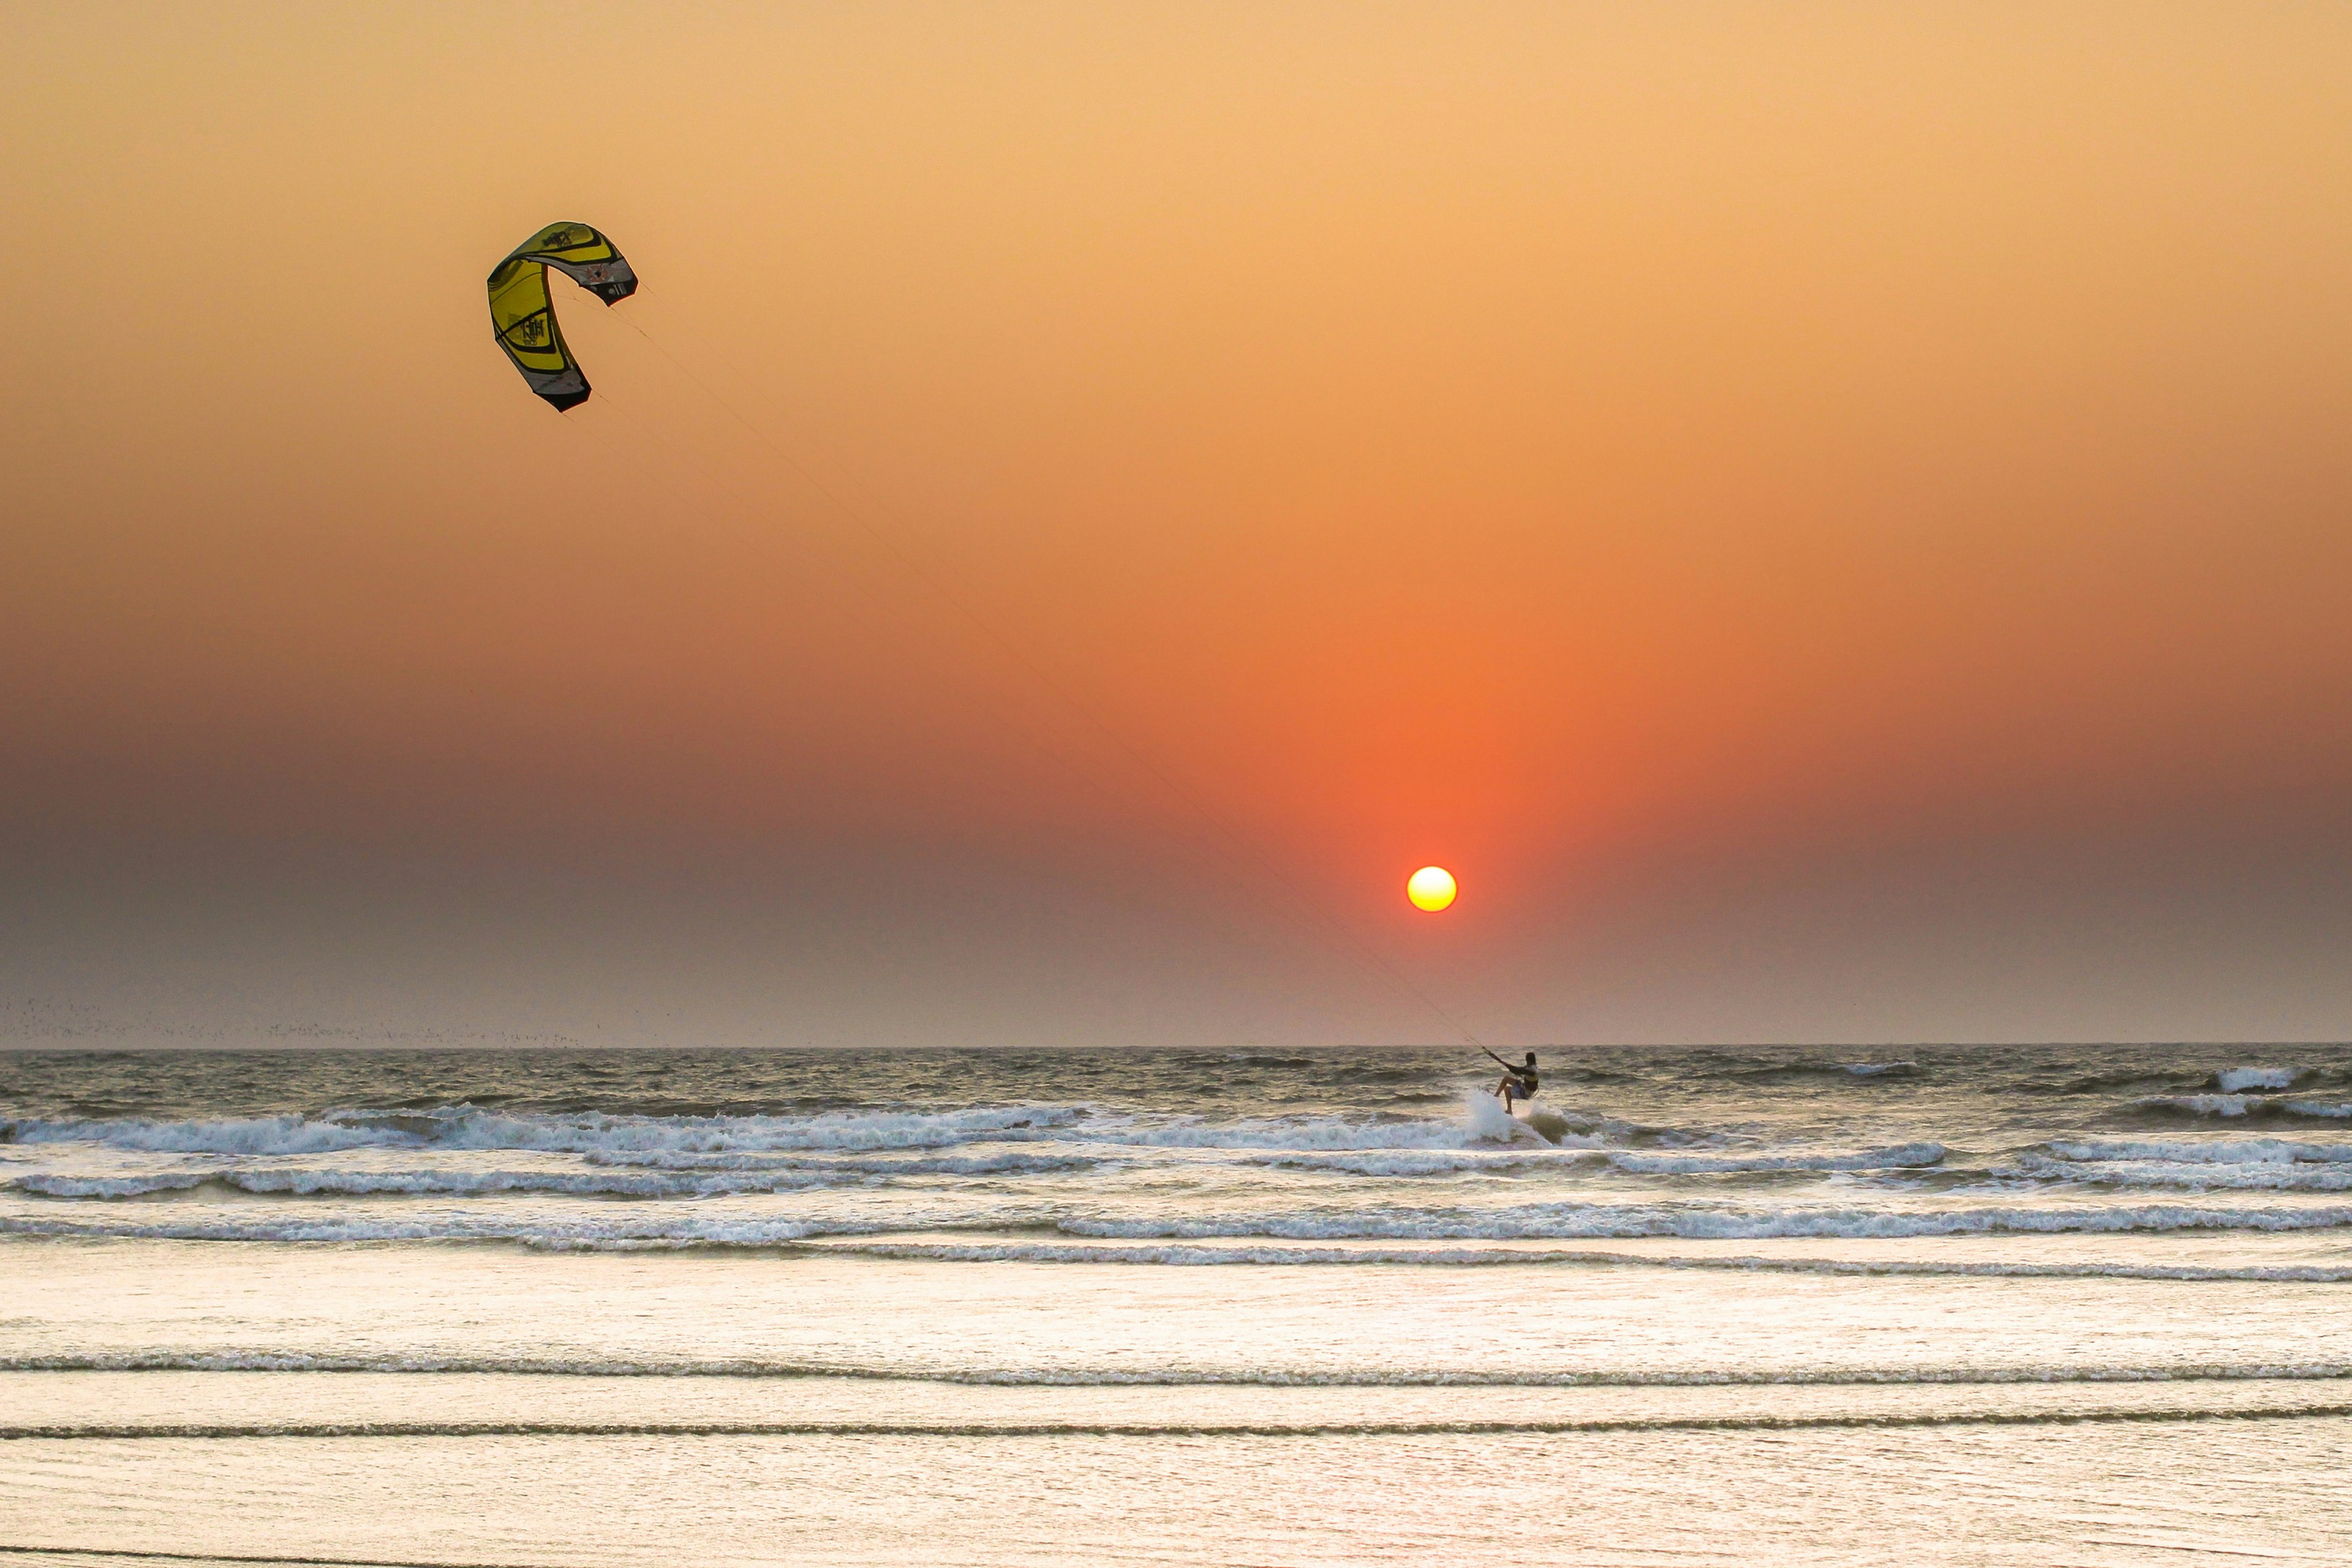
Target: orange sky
x: 1832, y: 519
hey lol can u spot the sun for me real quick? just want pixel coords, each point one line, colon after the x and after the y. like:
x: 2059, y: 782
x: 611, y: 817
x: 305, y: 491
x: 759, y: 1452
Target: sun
x: 1431, y: 887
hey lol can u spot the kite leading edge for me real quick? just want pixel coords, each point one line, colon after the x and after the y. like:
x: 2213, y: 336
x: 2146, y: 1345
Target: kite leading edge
x: 523, y: 314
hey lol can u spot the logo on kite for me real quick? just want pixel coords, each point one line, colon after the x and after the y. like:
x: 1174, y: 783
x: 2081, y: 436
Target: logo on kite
x: 522, y: 312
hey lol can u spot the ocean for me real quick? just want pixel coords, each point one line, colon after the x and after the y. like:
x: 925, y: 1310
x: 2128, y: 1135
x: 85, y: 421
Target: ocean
x: 1959, y: 1305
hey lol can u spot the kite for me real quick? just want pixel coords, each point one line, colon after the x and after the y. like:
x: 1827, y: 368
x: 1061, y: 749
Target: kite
x: 523, y: 314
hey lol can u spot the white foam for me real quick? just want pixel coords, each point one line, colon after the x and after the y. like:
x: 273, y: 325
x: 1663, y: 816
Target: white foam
x: 468, y: 1126
x: 920, y: 1210
x: 1488, y: 1123
x: 1293, y: 1132
x: 838, y: 1129
x: 675, y: 1177
x: 2236, y: 1081
x: 251, y: 1135
x: 1001, y: 1163
x: 1900, y: 1157
x: 2229, y: 1105
x: 2233, y: 1151
x: 597, y: 1134
x: 305, y: 1183
x: 1574, y: 1221
x: 1429, y: 1163
x: 657, y: 1229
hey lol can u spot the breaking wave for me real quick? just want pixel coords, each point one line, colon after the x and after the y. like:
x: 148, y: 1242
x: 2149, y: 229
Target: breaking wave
x: 1577, y: 1221
x: 465, y: 1126
x: 2237, y: 1080
x: 1562, y: 1221
x: 2238, y: 1105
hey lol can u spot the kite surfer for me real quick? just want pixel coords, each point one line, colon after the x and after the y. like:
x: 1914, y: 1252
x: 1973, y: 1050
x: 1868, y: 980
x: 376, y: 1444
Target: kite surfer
x: 1519, y: 1081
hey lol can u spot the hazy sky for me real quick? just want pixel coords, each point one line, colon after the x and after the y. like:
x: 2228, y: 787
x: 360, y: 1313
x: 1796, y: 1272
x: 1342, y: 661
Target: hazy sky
x: 1835, y: 521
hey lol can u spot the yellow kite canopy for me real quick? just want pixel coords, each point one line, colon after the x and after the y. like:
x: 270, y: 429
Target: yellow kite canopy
x: 523, y: 315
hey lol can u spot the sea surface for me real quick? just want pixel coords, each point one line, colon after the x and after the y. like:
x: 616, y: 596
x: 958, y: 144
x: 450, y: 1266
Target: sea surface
x: 1945, y: 1305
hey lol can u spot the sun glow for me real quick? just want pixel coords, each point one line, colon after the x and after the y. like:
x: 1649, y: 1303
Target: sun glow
x: 1431, y: 887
